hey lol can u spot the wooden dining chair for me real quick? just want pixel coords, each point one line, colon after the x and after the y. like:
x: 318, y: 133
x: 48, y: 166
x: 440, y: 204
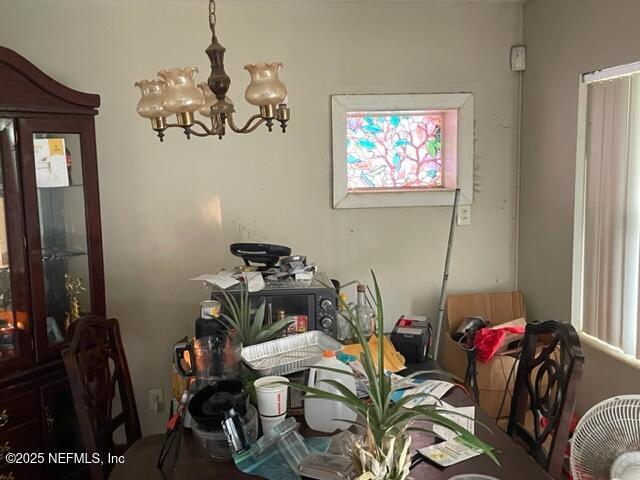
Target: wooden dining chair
x: 544, y: 393
x: 99, y: 375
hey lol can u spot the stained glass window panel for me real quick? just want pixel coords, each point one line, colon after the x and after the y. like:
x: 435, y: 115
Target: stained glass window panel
x: 394, y: 151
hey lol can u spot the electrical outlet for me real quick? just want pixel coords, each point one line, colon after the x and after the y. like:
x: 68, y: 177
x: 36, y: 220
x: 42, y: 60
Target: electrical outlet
x: 156, y: 399
x: 464, y: 215
x: 518, y: 58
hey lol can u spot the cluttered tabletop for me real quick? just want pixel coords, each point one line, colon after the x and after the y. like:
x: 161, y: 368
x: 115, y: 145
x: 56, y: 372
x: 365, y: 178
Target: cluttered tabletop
x: 188, y: 464
x: 282, y: 381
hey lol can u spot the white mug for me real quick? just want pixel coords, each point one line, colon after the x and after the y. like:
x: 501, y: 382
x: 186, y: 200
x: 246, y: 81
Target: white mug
x: 272, y: 396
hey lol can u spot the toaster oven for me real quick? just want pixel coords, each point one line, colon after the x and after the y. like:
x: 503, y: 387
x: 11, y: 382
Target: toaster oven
x: 312, y: 302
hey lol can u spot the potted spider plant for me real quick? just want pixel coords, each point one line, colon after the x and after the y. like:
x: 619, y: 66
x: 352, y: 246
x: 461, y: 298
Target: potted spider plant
x: 250, y: 324
x: 384, y: 451
x: 251, y: 328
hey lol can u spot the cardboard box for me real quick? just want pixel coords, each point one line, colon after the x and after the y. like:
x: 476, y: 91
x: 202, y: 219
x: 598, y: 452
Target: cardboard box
x: 498, y: 308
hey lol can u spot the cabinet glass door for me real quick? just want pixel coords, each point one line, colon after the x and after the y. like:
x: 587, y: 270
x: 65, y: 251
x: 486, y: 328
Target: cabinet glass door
x: 59, y: 237
x: 15, y: 345
x: 63, y: 232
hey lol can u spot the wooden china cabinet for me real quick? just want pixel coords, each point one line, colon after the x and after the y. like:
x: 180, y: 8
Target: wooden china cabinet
x: 51, y: 266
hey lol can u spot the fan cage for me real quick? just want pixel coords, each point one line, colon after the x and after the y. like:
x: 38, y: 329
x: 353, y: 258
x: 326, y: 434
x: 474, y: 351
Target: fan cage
x: 605, y: 432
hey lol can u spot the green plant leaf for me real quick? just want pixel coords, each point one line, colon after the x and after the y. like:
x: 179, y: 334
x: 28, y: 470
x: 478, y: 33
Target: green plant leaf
x: 231, y: 305
x: 423, y: 430
x: 475, y: 442
x: 273, y: 330
x: 440, y: 410
x: 407, y: 379
x: 348, y: 394
x: 414, y: 396
x: 367, y: 363
x: 335, y: 370
x: 380, y: 333
x: 245, y: 306
x: 402, y: 417
x: 230, y: 322
x: 357, y: 406
x: 251, y: 328
x: 258, y: 321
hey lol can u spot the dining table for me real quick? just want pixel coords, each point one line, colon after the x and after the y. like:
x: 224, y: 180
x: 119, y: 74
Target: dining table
x: 184, y: 462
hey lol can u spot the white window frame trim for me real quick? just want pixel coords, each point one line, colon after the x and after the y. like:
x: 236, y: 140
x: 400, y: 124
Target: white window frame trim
x: 462, y: 102
x: 577, y: 277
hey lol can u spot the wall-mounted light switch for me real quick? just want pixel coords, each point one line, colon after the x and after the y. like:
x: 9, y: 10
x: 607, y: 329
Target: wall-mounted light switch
x: 464, y: 215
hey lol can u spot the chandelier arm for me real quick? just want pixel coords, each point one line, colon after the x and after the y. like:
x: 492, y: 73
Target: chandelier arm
x: 198, y: 134
x: 215, y: 128
x: 207, y: 131
x: 247, y: 128
x: 195, y: 122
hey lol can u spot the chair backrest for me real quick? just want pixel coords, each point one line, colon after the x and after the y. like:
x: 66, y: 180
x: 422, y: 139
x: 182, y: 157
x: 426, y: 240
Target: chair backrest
x: 548, y: 375
x: 98, y: 375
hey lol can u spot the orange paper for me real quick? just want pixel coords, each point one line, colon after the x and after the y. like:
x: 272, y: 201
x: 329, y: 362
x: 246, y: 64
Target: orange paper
x: 393, y: 360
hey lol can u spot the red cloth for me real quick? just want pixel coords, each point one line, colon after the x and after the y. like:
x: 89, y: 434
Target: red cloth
x: 488, y: 341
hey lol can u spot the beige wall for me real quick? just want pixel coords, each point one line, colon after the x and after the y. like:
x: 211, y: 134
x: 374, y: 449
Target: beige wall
x: 564, y: 39
x: 170, y: 210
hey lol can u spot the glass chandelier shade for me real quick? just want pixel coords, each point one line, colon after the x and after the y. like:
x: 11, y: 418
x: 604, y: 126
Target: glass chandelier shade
x: 150, y: 104
x: 265, y: 87
x: 180, y: 92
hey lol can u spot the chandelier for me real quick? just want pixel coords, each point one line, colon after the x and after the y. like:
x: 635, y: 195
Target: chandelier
x: 175, y: 92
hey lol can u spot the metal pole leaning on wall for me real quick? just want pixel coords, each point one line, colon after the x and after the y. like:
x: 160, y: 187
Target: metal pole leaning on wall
x: 445, y: 276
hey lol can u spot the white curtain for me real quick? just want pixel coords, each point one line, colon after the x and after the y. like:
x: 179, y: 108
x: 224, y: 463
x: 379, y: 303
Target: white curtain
x: 612, y: 213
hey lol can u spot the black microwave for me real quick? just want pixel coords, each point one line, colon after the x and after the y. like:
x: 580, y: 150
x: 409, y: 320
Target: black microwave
x: 312, y: 302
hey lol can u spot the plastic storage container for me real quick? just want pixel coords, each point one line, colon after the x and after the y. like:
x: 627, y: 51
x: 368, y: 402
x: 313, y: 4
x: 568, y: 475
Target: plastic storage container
x: 275, y: 454
x: 213, y: 443
x: 321, y: 414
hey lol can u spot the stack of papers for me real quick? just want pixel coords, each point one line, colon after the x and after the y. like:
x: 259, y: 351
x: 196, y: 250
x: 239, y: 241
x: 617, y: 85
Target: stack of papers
x: 463, y: 416
x: 453, y: 450
x: 432, y: 389
x: 362, y: 382
x: 222, y: 280
x: 225, y: 279
x: 449, y: 453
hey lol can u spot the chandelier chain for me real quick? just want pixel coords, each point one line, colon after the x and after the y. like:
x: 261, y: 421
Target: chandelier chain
x: 212, y: 16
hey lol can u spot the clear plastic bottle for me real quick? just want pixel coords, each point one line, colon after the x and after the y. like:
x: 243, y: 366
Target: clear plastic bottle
x: 364, y: 313
x: 345, y: 332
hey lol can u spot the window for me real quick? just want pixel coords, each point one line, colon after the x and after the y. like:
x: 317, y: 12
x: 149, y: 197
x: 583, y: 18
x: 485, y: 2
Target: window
x: 394, y: 151
x: 402, y: 150
x: 606, y: 263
